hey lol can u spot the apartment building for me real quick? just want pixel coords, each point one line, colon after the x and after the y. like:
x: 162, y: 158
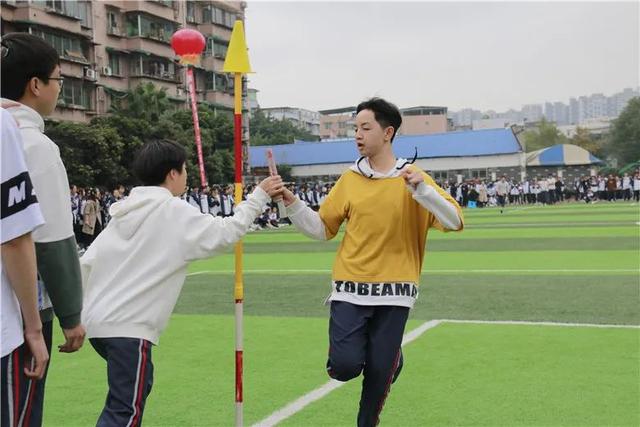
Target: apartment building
x: 423, y: 120
x: 108, y: 47
x: 303, y: 119
x: 337, y: 123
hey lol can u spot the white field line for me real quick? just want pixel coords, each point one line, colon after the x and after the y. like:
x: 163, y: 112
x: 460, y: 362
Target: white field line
x: 545, y: 224
x: 478, y: 271
x: 320, y: 392
x: 518, y: 322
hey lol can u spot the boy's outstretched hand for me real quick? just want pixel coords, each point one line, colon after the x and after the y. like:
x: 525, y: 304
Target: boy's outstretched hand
x: 272, y: 185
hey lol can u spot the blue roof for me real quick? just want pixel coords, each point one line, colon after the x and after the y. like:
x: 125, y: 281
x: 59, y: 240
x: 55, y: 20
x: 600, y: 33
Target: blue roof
x: 561, y: 155
x: 484, y: 142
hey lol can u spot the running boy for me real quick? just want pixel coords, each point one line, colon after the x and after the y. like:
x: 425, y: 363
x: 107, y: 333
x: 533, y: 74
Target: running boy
x: 134, y: 270
x: 378, y: 264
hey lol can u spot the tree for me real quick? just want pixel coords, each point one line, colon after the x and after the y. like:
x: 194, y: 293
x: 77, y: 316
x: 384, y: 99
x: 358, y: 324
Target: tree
x: 544, y: 135
x: 624, y: 142
x: 144, y: 102
x: 133, y: 133
x: 266, y: 130
x: 91, y: 153
x: 285, y: 172
x: 583, y: 139
x: 217, y: 144
x: 100, y: 153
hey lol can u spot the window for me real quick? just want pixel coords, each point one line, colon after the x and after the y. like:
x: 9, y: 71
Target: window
x: 440, y: 176
x: 68, y: 47
x: 216, y: 47
x: 219, y: 82
x: 76, y: 93
x: 478, y: 173
x: 215, y: 15
x: 113, y: 23
x: 191, y: 12
x: 153, y: 67
x: 218, y: 16
x: 230, y: 19
x: 145, y: 26
x: 220, y: 50
x: 84, y: 9
x: 64, y: 7
x: 206, y: 14
x: 114, y: 64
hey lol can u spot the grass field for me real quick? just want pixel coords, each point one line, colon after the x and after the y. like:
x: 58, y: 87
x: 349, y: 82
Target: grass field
x: 570, y: 263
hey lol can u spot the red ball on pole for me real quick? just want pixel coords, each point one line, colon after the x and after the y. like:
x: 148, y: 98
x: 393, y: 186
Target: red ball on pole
x: 188, y: 44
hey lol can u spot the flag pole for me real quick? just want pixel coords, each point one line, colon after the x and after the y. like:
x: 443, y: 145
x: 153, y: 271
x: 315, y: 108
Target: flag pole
x: 237, y: 62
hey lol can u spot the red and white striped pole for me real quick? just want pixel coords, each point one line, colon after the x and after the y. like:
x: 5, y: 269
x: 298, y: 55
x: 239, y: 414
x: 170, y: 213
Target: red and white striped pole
x: 189, y: 44
x: 196, y: 123
x: 239, y: 285
x: 237, y: 62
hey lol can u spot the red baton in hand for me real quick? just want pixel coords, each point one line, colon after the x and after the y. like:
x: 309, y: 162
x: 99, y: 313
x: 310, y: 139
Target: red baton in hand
x: 273, y: 170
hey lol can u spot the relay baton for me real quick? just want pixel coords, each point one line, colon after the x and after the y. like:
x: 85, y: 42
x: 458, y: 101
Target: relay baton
x: 273, y: 170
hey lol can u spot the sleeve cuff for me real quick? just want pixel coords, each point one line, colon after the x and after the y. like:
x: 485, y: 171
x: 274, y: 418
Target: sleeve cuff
x: 68, y: 322
x: 423, y: 191
x: 295, y: 207
x: 261, y: 196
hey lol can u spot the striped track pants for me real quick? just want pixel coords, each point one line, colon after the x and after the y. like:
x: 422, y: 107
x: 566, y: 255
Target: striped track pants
x: 17, y: 390
x: 130, y: 378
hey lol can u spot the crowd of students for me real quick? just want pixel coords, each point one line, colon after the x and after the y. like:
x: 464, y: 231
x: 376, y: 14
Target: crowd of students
x: 545, y: 191
x: 90, y: 207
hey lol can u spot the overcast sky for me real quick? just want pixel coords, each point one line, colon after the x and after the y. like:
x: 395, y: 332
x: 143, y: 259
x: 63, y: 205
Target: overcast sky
x: 321, y: 55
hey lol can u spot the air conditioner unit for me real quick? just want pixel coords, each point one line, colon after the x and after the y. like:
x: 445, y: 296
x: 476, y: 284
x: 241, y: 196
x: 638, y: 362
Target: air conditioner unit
x: 106, y: 71
x: 89, y: 73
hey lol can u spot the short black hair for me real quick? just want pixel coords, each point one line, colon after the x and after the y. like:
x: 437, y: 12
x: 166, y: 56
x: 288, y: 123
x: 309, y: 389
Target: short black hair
x: 25, y: 56
x: 156, y: 159
x: 385, y: 113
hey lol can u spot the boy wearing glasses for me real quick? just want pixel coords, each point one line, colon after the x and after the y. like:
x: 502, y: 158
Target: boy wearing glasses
x: 31, y: 83
x: 378, y: 264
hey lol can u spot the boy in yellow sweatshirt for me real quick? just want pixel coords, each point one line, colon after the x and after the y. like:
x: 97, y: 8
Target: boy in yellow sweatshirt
x: 389, y: 206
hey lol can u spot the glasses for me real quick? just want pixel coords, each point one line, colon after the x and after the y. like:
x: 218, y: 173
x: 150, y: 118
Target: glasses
x: 59, y: 79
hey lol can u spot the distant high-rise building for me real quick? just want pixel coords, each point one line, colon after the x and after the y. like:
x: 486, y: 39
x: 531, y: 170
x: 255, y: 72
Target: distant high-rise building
x: 579, y: 110
x: 465, y: 116
x: 561, y: 111
x: 574, y: 111
x: 532, y: 112
x: 549, y: 112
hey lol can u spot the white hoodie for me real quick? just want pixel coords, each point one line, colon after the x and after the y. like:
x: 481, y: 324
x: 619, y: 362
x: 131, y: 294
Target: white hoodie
x: 48, y: 175
x: 133, y: 272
